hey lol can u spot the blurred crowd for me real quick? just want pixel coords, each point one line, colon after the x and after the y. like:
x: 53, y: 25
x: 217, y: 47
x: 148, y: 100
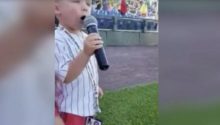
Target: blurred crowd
x: 126, y: 8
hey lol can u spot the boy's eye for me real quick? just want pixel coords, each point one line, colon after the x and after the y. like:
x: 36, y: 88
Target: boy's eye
x: 89, y: 2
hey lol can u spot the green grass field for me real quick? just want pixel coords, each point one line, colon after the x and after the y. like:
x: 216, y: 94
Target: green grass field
x: 130, y: 106
x: 196, y: 114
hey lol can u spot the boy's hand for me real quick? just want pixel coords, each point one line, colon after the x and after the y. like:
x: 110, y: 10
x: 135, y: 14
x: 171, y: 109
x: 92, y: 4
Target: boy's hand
x: 101, y: 93
x: 92, y: 42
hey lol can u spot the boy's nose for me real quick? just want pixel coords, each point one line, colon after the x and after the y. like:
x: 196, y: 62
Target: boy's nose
x: 85, y: 7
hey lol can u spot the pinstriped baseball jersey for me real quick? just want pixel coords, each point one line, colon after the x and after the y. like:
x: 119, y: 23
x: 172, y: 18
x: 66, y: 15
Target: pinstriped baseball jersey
x: 78, y: 96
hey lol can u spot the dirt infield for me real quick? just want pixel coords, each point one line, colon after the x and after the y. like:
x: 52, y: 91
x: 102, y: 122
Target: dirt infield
x: 130, y: 66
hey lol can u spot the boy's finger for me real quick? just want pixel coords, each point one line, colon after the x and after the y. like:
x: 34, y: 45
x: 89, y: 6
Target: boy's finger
x: 101, y: 93
x: 93, y: 35
x: 97, y: 38
x: 97, y: 42
x: 92, y: 40
x: 97, y: 46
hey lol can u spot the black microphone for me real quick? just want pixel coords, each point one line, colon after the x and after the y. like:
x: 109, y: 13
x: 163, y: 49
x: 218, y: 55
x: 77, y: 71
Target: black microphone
x: 91, y: 26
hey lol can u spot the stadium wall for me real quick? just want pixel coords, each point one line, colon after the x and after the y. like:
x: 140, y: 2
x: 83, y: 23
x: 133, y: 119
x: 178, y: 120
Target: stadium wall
x: 129, y: 38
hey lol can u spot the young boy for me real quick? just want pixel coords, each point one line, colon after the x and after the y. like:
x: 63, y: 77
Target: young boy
x: 76, y: 65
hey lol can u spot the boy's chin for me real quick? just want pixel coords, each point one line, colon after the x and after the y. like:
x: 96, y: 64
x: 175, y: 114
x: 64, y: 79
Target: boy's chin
x: 78, y: 27
x: 81, y: 26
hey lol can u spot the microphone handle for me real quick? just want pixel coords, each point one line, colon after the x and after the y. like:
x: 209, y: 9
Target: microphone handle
x: 99, y: 53
x: 101, y: 59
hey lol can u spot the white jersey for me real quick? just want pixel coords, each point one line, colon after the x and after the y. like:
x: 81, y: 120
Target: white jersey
x: 80, y: 96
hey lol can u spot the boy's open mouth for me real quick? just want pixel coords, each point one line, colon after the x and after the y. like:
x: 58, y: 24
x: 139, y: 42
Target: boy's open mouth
x: 83, y: 17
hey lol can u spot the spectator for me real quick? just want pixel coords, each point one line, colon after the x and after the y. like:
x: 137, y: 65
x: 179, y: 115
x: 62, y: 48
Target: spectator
x: 143, y: 11
x: 123, y: 8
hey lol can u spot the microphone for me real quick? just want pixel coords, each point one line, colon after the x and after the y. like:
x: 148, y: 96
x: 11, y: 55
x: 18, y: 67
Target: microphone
x: 91, y: 25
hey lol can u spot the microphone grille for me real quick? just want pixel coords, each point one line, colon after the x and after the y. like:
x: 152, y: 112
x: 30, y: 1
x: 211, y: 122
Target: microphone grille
x: 90, y: 20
